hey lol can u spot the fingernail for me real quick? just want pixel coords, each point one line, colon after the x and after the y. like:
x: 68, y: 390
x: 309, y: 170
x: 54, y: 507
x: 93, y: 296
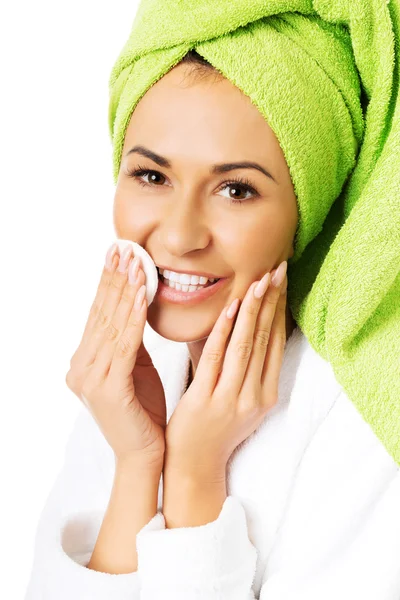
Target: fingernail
x: 261, y: 286
x: 124, y: 260
x: 109, y: 256
x: 133, y: 270
x: 230, y: 313
x: 279, y: 274
x: 140, y: 297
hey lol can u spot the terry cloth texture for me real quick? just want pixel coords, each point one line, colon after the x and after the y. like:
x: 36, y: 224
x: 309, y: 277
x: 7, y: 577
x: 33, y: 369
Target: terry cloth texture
x: 325, y: 75
x: 312, y: 511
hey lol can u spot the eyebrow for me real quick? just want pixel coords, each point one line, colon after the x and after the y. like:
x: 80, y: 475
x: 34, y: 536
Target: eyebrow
x: 215, y: 169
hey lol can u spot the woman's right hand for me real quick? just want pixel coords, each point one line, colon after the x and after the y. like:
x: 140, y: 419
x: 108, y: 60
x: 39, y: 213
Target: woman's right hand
x: 112, y: 373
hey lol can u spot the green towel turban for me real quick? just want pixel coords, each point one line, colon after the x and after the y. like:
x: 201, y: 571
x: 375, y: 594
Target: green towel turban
x: 325, y: 76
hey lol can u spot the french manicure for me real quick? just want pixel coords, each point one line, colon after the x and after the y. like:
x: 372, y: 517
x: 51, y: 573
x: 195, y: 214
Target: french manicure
x: 279, y: 274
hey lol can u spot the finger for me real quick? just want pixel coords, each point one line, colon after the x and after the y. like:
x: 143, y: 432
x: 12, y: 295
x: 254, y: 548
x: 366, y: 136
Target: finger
x: 241, y: 343
x: 266, y: 317
x: 105, y: 280
x: 276, y: 348
x: 211, y: 359
x: 116, y: 339
x: 130, y: 342
x: 110, y: 303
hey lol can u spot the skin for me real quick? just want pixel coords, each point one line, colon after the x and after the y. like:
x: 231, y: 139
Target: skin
x: 185, y: 219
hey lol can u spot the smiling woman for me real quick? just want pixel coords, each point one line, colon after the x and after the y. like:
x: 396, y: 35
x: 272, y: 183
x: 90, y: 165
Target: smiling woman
x: 204, y: 185
x: 235, y: 464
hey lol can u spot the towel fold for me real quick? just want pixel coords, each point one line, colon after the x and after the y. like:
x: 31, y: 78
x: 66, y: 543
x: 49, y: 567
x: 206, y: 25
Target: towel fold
x: 325, y: 76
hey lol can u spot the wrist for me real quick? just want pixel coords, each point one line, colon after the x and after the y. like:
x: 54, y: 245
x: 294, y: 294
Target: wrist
x: 196, y: 481
x: 132, y: 467
x: 138, y: 487
x: 190, y: 501
x: 195, y: 476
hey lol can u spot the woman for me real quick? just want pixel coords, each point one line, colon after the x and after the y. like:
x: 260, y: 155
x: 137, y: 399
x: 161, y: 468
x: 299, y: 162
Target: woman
x: 232, y: 465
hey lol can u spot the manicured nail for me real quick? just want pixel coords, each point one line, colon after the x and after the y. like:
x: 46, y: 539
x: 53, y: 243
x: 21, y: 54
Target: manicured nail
x: 230, y: 313
x: 261, y: 286
x: 124, y: 260
x: 279, y: 274
x: 109, y: 256
x: 140, y: 297
x: 133, y: 270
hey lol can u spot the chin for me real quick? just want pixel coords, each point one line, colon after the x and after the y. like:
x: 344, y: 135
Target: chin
x: 178, y: 328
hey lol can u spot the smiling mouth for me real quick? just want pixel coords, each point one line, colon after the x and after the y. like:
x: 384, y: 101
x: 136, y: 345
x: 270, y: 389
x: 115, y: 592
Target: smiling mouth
x: 199, y: 286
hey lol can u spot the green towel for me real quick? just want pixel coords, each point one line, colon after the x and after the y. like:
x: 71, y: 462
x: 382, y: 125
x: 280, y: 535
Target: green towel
x: 325, y: 76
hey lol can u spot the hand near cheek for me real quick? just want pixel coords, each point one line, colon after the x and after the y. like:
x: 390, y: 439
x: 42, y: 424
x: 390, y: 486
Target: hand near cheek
x: 235, y: 384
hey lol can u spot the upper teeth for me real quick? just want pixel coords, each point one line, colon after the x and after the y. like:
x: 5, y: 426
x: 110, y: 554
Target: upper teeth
x: 183, y: 278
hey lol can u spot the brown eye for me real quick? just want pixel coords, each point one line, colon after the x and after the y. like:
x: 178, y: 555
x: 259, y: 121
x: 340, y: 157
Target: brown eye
x: 138, y: 174
x: 239, y: 191
x: 153, y: 176
x: 240, y: 185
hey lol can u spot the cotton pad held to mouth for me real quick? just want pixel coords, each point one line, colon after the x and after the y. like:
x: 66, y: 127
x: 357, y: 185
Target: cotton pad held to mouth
x: 147, y: 264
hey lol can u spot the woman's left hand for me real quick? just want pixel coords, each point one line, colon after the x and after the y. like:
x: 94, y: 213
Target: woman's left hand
x: 232, y: 391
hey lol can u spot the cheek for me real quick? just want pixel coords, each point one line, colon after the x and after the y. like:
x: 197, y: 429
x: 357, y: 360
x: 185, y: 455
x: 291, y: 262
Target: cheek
x: 132, y: 217
x: 120, y: 212
x: 249, y: 245
x: 254, y: 249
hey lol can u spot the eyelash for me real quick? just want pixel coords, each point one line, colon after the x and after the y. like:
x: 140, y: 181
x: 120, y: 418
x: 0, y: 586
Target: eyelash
x: 138, y: 172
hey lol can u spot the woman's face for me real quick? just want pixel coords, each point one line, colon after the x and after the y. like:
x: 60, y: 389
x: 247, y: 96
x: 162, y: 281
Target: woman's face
x: 187, y: 217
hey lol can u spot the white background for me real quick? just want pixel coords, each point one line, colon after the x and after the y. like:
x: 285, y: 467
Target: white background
x: 56, y: 225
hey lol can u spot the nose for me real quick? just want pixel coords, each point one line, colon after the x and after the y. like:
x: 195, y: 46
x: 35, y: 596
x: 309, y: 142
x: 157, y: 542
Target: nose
x: 183, y: 228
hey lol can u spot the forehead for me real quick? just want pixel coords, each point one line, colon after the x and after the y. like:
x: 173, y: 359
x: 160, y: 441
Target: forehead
x: 211, y: 114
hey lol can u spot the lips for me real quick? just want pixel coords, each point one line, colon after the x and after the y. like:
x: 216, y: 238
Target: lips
x: 208, y: 284
x: 167, y: 294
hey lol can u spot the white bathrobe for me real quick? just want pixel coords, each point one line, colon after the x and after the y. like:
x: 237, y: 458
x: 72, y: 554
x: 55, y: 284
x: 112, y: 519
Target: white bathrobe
x: 312, y: 513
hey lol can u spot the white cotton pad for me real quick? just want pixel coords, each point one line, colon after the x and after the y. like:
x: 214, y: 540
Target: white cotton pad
x: 147, y: 265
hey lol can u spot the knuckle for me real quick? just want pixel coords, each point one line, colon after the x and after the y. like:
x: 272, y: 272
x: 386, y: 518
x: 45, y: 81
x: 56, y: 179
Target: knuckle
x: 74, y: 380
x: 127, y: 294
x: 118, y: 280
x: 243, y: 349
x: 281, y: 335
x: 71, y: 380
x: 111, y: 332
x: 125, y: 348
x: 102, y: 319
x: 214, y: 356
x: 73, y: 360
x: 261, y: 338
x: 252, y: 308
x: 134, y: 322
x: 281, y: 308
x: 270, y: 400
x: 249, y: 406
